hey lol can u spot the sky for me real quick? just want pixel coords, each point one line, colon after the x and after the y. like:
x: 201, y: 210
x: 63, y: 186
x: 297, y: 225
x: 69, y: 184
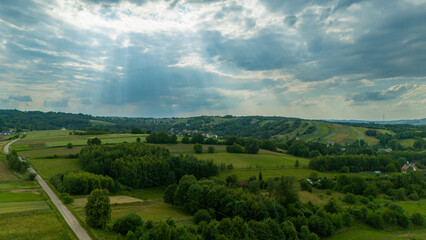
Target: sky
x: 313, y: 59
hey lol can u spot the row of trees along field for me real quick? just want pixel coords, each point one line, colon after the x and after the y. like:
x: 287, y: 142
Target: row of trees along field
x: 139, y: 165
x: 393, y: 187
x: 225, y: 210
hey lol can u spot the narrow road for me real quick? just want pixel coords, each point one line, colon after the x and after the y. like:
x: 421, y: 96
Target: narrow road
x: 79, y: 231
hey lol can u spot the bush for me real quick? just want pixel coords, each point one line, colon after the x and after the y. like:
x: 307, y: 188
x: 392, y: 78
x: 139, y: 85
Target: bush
x: 129, y: 222
x: 349, y: 198
x: 235, y: 148
x: 417, y: 218
x: 198, y: 148
x: 66, y: 198
x: 69, y: 145
x: 202, y: 215
x: 211, y: 149
x: 375, y: 220
x: 31, y: 176
x: 185, y: 140
x: 305, y: 185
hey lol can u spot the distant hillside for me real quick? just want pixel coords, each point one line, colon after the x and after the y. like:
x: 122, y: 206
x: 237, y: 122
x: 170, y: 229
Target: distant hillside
x: 421, y: 121
x: 260, y: 127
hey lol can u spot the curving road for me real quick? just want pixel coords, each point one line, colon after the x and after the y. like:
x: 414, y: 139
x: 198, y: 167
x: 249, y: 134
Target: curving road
x: 79, y: 231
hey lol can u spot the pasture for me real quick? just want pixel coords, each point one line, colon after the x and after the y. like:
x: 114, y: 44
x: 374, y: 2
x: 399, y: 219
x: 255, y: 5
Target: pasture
x: 47, y: 167
x: 25, y: 211
x: 363, y: 232
x: 264, y: 159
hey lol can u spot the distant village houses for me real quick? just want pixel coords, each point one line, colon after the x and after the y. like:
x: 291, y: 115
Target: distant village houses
x: 406, y: 166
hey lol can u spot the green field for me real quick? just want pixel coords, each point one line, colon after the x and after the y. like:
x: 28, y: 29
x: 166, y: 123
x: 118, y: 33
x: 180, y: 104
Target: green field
x: 46, y: 152
x: 260, y: 160
x: 25, y: 213
x: 364, y: 232
x: 12, y: 207
x: 101, y: 123
x: 155, y: 210
x: 20, y: 196
x: 47, y: 167
x: 60, y: 138
x: 35, y: 224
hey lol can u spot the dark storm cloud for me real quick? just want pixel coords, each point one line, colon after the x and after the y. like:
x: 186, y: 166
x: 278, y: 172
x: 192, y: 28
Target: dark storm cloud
x: 394, y: 92
x: 20, y: 98
x: 268, y: 50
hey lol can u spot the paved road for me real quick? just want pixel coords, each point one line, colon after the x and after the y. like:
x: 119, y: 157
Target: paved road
x: 79, y: 231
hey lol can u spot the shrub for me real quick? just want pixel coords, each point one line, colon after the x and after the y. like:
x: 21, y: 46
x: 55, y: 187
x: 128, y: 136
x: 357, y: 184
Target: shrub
x: 185, y: 140
x: 349, y: 198
x: 66, y: 198
x: 69, y: 145
x: 31, y: 176
x: 129, y: 222
x: 211, y: 149
x: 417, y: 218
x: 235, y: 148
x: 305, y: 185
x: 202, y: 215
x: 375, y: 220
x: 198, y: 148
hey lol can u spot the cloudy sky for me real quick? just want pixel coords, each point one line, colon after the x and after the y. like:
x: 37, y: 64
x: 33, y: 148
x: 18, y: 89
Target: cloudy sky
x: 327, y: 59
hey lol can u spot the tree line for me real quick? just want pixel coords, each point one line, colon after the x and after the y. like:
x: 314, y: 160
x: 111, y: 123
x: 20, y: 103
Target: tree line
x: 140, y: 165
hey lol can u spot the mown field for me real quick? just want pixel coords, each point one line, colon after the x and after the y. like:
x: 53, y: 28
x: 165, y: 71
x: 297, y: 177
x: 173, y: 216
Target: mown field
x: 26, y: 212
x: 60, y: 138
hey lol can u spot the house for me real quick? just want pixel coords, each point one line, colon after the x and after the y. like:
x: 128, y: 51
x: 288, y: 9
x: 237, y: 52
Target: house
x: 377, y: 172
x: 406, y: 166
x: 388, y: 150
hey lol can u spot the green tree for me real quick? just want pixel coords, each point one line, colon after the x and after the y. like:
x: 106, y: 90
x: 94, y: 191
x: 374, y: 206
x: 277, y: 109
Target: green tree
x: 138, y: 139
x: 197, y: 138
x: 198, y: 148
x: 185, y: 140
x: 251, y: 146
x: 296, y: 164
x: 98, y: 209
x: 94, y: 141
x: 417, y: 218
x: 211, y: 149
x: 69, y: 145
x: 136, y: 131
x: 126, y: 223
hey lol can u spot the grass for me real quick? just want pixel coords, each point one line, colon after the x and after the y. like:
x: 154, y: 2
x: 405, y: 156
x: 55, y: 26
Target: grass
x: 261, y: 160
x: 145, y: 194
x: 364, y: 232
x: 149, y: 210
x: 11, y: 207
x: 48, y: 167
x: 101, y: 123
x: 298, y: 173
x: 20, y: 196
x: 5, y: 174
x: 407, y: 142
x: 411, y: 207
x: 32, y: 225
x: 46, y: 152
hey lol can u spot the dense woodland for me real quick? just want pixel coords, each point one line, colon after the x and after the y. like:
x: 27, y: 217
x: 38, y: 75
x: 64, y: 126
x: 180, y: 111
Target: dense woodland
x: 140, y: 165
